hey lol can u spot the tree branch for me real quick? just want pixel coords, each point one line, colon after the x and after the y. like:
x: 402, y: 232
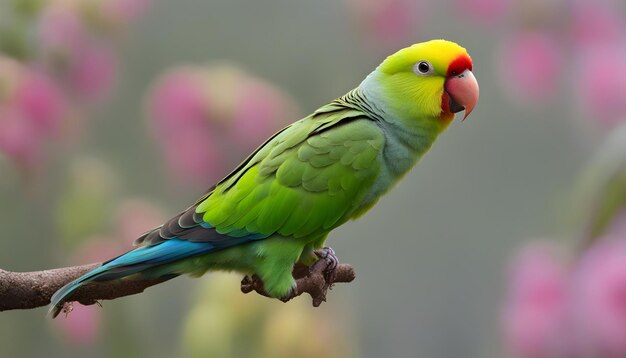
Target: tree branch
x: 26, y: 290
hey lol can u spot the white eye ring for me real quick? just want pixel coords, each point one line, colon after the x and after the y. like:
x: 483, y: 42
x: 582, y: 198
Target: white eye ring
x: 423, y: 68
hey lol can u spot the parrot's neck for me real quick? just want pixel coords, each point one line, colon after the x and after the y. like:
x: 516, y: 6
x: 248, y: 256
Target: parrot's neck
x: 406, y: 139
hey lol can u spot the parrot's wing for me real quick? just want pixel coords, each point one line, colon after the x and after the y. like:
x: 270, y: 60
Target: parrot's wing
x: 308, y: 178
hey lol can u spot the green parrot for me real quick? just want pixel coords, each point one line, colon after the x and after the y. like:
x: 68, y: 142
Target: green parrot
x: 277, y: 208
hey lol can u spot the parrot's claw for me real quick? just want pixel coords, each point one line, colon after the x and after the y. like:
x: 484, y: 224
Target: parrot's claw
x: 293, y: 293
x: 328, y: 255
x: 315, y: 280
x: 67, y: 308
x: 251, y: 283
x: 254, y: 283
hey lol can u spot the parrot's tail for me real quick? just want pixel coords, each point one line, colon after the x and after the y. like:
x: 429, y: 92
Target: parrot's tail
x: 133, y: 262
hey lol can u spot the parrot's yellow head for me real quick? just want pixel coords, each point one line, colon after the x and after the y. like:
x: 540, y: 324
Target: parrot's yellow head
x: 427, y: 81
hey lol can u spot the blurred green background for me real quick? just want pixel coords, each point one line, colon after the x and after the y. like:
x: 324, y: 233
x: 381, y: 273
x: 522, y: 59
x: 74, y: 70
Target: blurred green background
x: 430, y: 257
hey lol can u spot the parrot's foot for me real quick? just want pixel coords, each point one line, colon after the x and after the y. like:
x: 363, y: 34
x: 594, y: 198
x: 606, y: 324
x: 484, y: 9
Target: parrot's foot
x: 251, y: 283
x: 328, y: 255
x: 315, y: 280
x: 255, y: 283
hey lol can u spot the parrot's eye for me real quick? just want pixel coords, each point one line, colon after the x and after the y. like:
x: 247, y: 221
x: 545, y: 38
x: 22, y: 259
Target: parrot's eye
x: 423, y: 68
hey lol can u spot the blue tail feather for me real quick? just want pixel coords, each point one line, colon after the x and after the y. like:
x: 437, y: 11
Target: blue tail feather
x: 132, y: 262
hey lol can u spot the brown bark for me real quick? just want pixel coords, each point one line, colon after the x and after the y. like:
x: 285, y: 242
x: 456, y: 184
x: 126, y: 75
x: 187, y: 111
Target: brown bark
x: 26, y: 290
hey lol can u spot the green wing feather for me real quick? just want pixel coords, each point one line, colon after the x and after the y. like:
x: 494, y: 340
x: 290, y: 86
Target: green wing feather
x: 308, y: 179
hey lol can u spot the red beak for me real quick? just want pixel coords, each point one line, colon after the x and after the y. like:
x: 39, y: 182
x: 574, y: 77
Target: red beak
x: 463, y: 92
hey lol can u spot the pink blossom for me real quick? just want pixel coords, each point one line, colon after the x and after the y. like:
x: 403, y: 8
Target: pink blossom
x: 601, y: 82
x: 82, y: 60
x: 41, y: 101
x: 60, y: 30
x: 530, y: 66
x: 32, y: 108
x: 19, y: 139
x: 199, y: 112
x: 192, y: 156
x: 596, y: 23
x: 135, y: 217
x: 92, y: 72
x: 82, y: 326
x: 261, y: 111
x: 178, y: 101
x: 535, y: 313
x: 600, y: 298
x: 179, y: 106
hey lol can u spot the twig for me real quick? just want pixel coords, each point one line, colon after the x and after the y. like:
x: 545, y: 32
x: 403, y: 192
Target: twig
x: 26, y: 290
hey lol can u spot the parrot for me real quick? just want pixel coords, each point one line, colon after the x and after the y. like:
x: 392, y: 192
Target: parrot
x: 278, y: 206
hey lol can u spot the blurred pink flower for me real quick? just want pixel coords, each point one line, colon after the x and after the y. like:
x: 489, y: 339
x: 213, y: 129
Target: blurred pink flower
x: 60, y: 30
x: 601, y: 84
x: 178, y: 101
x: 536, y: 309
x: 19, y: 139
x: 80, y: 327
x: 32, y: 108
x: 41, y: 101
x: 600, y: 299
x: 81, y: 57
x: 197, y: 112
x: 134, y: 217
x: 596, y: 23
x: 93, y: 71
x: 193, y: 157
x: 262, y: 111
x: 531, y: 65
x: 74, y: 61
x: 179, y: 106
